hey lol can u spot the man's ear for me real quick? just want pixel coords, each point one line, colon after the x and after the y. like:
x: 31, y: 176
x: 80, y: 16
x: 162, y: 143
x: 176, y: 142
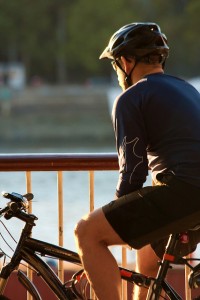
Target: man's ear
x: 126, y: 64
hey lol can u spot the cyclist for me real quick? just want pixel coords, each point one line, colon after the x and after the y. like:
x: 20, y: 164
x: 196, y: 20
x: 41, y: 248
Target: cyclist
x: 156, y: 121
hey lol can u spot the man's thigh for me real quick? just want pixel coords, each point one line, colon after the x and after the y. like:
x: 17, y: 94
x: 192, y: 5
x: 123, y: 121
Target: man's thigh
x: 152, y: 213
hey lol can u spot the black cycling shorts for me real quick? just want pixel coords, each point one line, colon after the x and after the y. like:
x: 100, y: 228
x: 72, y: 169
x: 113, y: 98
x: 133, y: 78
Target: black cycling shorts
x: 152, y: 213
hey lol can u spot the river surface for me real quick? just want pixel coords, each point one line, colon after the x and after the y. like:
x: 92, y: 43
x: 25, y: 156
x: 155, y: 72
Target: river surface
x: 76, y: 203
x: 45, y: 205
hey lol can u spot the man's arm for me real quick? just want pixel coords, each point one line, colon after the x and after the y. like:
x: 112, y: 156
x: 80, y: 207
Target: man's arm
x: 131, y: 146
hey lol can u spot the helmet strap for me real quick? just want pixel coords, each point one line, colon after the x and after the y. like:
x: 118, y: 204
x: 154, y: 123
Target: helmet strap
x: 163, y: 64
x: 128, y: 76
x: 128, y: 80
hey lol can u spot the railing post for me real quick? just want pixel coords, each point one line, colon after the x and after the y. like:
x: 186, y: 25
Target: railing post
x: 91, y: 189
x: 124, y: 264
x: 188, y: 295
x: 60, y: 222
x: 91, y: 198
x: 29, y: 190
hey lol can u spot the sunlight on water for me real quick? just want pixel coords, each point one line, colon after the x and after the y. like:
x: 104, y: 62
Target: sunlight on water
x: 76, y: 204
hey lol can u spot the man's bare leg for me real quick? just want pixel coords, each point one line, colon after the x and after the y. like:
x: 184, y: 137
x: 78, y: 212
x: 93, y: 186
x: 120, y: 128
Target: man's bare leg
x: 93, y: 235
x: 147, y: 264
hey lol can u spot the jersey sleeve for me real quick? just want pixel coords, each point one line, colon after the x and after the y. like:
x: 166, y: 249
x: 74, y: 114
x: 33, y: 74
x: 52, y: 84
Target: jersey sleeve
x: 131, y: 146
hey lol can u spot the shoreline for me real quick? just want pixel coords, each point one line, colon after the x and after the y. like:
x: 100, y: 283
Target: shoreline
x: 53, y: 117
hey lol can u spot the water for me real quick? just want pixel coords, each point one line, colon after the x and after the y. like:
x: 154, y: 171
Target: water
x: 76, y: 203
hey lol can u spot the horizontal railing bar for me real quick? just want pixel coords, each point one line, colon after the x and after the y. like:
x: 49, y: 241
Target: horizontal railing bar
x: 58, y: 162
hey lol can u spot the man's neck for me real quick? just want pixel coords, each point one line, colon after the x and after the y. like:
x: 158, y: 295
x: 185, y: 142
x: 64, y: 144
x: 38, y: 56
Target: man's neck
x: 147, y: 70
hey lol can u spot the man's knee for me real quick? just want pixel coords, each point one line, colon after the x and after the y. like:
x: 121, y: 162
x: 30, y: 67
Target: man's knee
x: 81, y: 230
x: 86, y: 231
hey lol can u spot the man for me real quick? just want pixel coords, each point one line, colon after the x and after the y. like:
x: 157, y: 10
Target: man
x: 157, y: 126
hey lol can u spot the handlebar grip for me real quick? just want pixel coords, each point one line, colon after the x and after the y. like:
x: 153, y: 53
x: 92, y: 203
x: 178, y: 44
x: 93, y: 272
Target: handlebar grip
x: 28, y: 196
x: 17, y: 197
x: 13, y: 196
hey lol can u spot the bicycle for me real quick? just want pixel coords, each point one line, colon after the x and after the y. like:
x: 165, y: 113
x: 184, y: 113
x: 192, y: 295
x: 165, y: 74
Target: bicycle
x: 31, y: 250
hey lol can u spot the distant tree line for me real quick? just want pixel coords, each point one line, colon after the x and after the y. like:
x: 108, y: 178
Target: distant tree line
x: 60, y: 40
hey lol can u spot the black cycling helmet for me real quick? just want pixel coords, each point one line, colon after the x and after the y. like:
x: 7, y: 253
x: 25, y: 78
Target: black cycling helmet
x: 137, y: 40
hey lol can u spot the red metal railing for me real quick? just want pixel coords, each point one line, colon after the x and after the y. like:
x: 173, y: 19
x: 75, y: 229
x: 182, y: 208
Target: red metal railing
x: 58, y: 162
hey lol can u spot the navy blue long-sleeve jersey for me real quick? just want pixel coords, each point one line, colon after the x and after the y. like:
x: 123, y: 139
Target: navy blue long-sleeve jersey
x: 157, y: 127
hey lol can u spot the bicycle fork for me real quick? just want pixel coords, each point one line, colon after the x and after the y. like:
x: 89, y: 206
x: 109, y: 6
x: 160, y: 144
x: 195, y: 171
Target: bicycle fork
x: 5, y: 274
x: 2, y: 285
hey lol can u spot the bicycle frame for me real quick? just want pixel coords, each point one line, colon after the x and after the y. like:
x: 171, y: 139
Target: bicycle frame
x: 167, y: 288
x: 29, y: 250
x: 159, y: 284
x: 26, y: 250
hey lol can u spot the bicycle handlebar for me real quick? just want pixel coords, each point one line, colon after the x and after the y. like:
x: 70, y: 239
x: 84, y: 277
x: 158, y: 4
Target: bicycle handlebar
x: 17, y: 202
x: 17, y: 197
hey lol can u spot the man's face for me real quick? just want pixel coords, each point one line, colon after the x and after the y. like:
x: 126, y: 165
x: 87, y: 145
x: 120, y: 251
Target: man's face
x: 120, y: 74
x: 121, y: 79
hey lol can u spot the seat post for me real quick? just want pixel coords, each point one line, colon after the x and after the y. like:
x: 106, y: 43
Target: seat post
x: 168, y: 257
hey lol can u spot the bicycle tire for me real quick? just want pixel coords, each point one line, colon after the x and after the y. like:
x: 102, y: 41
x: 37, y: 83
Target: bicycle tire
x: 29, y: 286
x: 24, y: 282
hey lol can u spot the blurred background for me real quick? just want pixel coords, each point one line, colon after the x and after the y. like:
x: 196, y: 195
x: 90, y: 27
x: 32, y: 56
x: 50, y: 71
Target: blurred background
x: 55, y: 94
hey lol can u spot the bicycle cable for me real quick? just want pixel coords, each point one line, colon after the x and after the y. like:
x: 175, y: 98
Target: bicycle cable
x: 4, y: 253
x: 8, y: 231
